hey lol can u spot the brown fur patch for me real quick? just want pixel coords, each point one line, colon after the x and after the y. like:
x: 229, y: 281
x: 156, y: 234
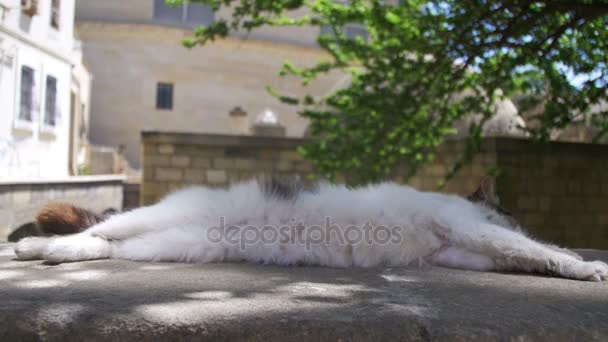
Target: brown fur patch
x: 64, y: 218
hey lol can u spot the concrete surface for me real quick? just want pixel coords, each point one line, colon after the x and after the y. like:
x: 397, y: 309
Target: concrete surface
x: 119, y: 300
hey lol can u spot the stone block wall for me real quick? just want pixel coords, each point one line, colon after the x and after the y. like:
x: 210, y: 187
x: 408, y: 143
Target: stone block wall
x: 172, y: 161
x: 465, y: 181
x: 130, y: 195
x: 558, y: 190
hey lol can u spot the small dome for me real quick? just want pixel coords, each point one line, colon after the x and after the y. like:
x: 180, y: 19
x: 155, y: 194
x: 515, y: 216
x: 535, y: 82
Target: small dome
x: 505, y: 122
x: 267, y: 118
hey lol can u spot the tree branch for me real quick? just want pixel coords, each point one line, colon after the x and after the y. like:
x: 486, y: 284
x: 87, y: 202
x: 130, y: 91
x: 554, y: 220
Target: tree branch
x: 584, y: 10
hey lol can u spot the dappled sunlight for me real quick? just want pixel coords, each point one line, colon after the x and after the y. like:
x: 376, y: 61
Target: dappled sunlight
x: 209, y: 295
x: 399, y: 278
x: 38, y: 275
x: 61, y: 314
x: 70, y: 266
x: 11, y: 264
x: 89, y: 275
x: 5, y: 251
x: 8, y: 274
x: 147, y: 267
x: 194, y: 310
x: 415, y: 310
x: 171, y: 295
x: 320, y: 288
x: 326, y: 294
x: 273, y: 296
x: 41, y: 283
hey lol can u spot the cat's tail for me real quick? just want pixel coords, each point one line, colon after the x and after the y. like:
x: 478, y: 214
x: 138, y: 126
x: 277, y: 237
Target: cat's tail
x: 63, y: 219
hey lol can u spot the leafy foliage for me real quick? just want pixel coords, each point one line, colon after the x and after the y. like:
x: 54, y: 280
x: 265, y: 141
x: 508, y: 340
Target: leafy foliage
x: 428, y: 63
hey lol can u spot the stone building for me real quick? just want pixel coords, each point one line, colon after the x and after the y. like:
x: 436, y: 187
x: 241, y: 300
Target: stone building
x: 146, y: 80
x: 45, y: 92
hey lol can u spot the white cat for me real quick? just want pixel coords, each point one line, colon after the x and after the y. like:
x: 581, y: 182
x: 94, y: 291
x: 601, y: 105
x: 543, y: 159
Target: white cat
x: 332, y: 225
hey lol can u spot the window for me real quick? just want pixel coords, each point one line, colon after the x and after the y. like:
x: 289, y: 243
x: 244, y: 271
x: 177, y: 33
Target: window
x: 50, y: 112
x: 351, y: 31
x: 164, y: 96
x: 168, y: 13
x: 190, y: 14
x: 26, y: 105
x: 55, y: 13
x: 198, y: 14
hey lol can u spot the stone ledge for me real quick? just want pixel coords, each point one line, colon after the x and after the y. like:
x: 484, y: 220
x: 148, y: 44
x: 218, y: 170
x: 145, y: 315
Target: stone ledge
x: 492, y: 144
x: 509, y: 144
x: 220, y: 140
x: 119, y: 300
x: 68, y: 180
x: 513, y: 144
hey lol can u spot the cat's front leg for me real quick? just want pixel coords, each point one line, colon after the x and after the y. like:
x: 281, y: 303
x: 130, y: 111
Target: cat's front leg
x: 59, y: 249
x: 31, y: 248
x: 77, y: 247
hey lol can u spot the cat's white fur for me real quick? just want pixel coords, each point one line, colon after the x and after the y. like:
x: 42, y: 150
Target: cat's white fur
x: 439, y: 229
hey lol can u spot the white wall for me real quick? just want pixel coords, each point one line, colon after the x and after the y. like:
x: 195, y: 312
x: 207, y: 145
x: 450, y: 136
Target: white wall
x: 31, y: 150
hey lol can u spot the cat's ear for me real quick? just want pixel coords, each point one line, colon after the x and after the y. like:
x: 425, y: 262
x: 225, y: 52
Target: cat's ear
x: 486, y: 192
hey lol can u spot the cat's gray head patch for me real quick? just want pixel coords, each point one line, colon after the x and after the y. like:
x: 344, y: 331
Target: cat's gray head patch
x: 485, y: 197
x: 284, y: 187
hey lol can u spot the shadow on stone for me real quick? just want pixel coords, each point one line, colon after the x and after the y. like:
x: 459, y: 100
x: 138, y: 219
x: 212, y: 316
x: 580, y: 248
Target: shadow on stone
x: 121, y: 300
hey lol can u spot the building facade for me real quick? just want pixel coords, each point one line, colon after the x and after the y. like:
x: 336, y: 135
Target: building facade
x: 146, y: 80
x: 44, y: 90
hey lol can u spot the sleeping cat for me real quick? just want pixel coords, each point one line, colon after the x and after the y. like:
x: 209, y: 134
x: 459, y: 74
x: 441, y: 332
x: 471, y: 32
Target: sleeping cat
x: 288, y: 223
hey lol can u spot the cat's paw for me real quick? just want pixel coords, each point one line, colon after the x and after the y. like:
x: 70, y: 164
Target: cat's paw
x: 31, y: 248
x: 601, y: 271
x: 590, y: 270
x: 76, y: 248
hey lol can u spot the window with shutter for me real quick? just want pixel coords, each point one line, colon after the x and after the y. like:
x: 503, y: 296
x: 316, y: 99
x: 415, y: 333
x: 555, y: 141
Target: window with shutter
x: 26, y: 105
x: 50, y: 112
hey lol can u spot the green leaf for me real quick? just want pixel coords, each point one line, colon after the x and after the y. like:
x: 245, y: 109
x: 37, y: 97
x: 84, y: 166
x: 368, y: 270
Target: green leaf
x: 393, y: 18
x: 426, y: 65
